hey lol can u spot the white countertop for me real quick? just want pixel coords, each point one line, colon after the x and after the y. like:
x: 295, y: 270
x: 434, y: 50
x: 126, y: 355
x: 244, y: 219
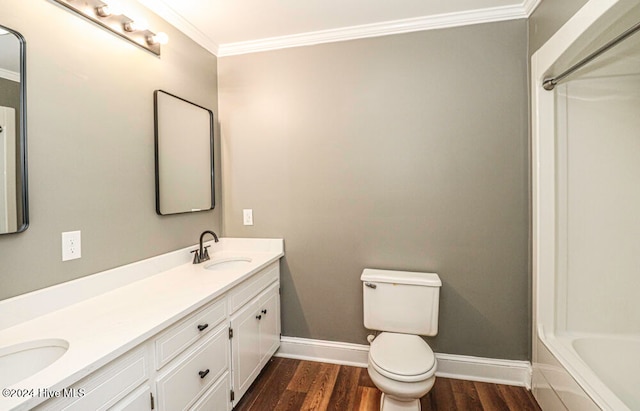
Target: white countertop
x: 104, y: 326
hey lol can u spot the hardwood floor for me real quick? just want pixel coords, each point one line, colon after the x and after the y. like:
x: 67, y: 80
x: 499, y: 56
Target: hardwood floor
x: 293, y: 385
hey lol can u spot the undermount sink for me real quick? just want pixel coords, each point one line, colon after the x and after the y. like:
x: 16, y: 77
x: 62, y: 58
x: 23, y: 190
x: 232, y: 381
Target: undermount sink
x: 20, y: 361
x: 228, y: 263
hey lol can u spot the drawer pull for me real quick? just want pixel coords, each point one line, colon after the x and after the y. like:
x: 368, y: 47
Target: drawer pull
x: 264, y: 311
x: 202, y: 327
x: 203, y: 373
x: 259, y: 317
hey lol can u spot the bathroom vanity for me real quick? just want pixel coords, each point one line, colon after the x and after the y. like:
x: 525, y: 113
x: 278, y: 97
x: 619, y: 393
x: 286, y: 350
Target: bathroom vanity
x: 161, y: 334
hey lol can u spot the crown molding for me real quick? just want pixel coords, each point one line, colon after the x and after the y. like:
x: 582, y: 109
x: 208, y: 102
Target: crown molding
x: 439, y: 21
x: 529, y: 6
x: 163, y: 10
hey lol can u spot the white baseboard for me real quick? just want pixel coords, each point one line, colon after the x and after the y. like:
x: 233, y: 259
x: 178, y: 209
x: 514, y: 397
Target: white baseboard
x: 323, y: 351
x: 461, y: 367
x: 493, y: 370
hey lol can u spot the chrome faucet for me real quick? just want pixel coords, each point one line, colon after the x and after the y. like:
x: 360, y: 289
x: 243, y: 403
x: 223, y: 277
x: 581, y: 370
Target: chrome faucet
x: 202, y: 254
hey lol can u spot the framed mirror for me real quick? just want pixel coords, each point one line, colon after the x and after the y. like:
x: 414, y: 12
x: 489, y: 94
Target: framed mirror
x: 184, y: 155
x: 14, y: 210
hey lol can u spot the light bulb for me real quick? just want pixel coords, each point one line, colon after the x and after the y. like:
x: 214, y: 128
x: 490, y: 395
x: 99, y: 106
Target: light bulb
x: 115, y: 7
x: 136, y: 25
x: 162, y: 37
x: 111, y: 9
x: 103, y: 11
x: 159, y: 38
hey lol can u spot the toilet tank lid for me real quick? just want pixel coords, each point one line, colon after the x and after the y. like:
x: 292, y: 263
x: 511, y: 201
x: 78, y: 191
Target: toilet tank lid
x: 401, y: 277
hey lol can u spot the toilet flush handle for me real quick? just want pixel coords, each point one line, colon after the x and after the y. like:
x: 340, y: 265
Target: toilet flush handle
x: 371, y: 285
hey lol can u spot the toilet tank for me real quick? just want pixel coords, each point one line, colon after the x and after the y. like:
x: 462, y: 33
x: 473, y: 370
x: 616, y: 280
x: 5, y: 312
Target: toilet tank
x: 401, y: 301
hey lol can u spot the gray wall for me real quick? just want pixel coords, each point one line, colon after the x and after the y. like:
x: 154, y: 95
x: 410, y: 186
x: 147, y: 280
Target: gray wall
x: 404, y: 152
x: 548, y: 17
x: 90, y: 145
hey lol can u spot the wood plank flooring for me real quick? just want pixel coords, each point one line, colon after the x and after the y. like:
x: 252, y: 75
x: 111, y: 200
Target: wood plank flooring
x: 292, y: 385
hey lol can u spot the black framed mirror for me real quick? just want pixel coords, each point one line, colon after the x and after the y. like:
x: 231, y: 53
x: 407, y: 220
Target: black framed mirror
x: 184, y: 155
x: 14, y: 210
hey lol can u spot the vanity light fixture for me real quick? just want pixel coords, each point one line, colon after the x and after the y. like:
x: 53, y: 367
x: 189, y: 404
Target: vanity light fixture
x: 107, y: 14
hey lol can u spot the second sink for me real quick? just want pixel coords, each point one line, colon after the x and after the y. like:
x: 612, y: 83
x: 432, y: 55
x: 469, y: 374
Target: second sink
x: 21, y: 361
x: 228, y: 263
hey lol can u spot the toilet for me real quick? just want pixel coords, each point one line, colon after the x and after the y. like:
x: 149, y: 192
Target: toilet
x: 403, y: 306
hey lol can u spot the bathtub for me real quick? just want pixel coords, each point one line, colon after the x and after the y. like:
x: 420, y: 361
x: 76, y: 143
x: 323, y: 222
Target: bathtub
x: 605, y: 367
x: 585, y: 150
x: 616, y: 362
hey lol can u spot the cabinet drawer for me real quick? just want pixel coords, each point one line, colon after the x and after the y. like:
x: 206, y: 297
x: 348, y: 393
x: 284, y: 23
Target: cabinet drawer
x: 243, y: 293
x: 139, y: 400
x: 180, y: 336
x: 181, y: 384
x: 105, y: 387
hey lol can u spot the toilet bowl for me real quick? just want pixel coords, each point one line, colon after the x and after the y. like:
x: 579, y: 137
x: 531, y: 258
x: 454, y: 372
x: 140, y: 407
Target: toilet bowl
x: 404, y: 306
x: 403, y: 367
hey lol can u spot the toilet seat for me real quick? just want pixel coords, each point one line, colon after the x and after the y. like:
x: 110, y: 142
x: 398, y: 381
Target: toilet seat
x: 402, y: 357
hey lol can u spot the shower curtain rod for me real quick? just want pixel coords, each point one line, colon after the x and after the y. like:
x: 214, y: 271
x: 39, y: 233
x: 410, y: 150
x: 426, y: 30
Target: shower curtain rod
x: 550, y: 83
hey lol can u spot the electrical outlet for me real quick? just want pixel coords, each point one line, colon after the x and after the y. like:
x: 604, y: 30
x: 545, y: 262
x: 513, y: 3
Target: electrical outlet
x: 247, y: 216
x: 71, y: 245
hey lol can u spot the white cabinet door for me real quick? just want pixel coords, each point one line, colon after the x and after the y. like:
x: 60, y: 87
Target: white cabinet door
x: 256, y: 337
x: 245, y: 347
x: 269, y: 323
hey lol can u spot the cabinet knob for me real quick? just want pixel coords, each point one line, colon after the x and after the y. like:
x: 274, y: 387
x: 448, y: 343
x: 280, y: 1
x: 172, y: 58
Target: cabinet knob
x: 203, y: 373
x: 264, y: 311
x: 202, y: 327
x: 259, y: 317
